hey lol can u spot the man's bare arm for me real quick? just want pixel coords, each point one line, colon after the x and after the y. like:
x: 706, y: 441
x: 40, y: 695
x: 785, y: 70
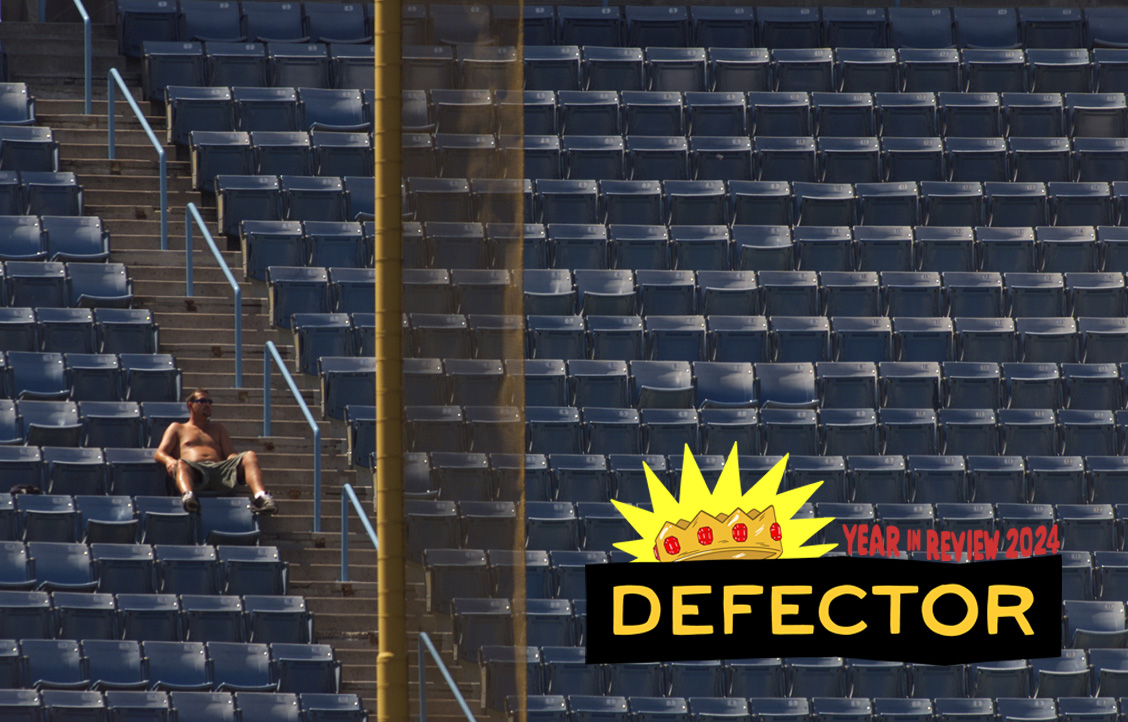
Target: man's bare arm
x: 168, y: 452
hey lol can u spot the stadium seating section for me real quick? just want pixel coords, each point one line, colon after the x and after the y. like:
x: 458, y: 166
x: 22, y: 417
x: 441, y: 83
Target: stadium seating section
x: 891, y: 242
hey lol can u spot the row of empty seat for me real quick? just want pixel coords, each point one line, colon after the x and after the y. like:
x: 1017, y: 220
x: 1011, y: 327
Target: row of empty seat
x: 302, y: 198
x: 92, y: 471
x: 454, y: 476
x: 59, y: 705
x: 60, y: 517
x: 199, y: 666
x: 206, y: 20
x: 916, y: 478
x: 142, y: 569
x: 332, y: 117
x: 146, y: 617
x: 744, y: 26
x: 1077, y: 673
x: 763, y: 114
x: 53, y: 238
x: 275, y: 64
x: 827, y: 69
x: 572, y: 204
x: 603, y: 430
x: 708, y: 384
x: 618, y: 708
x: 66, y: 423
x: 81, y: 376
x: 116, y: 330
x: 620, y: 291
x: 767, y: 158
x: 759, y: 339
x: 469, y: 245
x: 341, y: 245
x: 61, y: 284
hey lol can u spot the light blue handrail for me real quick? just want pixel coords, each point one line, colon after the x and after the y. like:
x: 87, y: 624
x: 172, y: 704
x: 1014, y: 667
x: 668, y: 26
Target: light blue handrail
x: 425, y: 644
x: 87, y: 45
x: 114, y: 77
x: 191, y: 213
x: 349, y: 495
x: 271, y: 351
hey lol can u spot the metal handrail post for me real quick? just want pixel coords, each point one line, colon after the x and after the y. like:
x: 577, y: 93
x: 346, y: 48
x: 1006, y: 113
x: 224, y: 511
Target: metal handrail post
x: 87, y: 54
x: 112, y: 78
x: 270, y: 351
x: 425, y: 644
x: 348, y: 495
x: 191, y: 213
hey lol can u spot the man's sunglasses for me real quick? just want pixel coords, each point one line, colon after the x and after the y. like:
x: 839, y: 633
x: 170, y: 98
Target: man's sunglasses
x: 200, y: 401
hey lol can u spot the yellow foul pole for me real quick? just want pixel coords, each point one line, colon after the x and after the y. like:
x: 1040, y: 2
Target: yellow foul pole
x: 391, y: 662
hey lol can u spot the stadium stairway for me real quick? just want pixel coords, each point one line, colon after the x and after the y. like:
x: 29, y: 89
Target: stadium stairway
x: 198, y: 331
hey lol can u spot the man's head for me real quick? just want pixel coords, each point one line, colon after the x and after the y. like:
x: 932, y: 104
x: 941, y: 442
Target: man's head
x: 200, y: 404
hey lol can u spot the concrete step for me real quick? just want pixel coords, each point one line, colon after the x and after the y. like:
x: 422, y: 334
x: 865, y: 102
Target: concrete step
x: 124, y: 167
x: 179, y: 303
x: 131, y: 151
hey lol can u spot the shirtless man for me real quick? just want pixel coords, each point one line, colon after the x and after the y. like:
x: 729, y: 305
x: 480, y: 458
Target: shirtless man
x: 199, y: 454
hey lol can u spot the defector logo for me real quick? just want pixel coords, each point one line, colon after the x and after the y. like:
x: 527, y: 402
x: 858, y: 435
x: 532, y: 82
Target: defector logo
x: 730, y: 602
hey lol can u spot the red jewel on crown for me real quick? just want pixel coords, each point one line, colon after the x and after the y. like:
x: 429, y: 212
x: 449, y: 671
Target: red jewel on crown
x: 740, y: 533
x: 777, y: 533
x: 672, y: 545
x: 704, y: 536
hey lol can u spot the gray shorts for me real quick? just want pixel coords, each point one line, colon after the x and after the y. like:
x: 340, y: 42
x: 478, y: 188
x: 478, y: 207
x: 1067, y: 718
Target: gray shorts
x: 217, y: 478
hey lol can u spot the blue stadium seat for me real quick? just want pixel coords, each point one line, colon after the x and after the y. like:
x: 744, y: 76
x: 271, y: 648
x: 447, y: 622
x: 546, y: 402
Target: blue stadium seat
x: 234, y: 64
x: 970, y: 114
x: 327, y: 707
x: 786, y: 158
x: 240, y: 198
x: 125, y: 568
x: 241, y: 667
x: 298, y: 65
x: 303, y: 668
x: 1100, y: 115
x: 867, y: 69
x: 149, y: 617
x: 1099, y: 159
x: 163, y: 521
x: 952, y: 204
x: 141, y: 21
x: 201, y: 705
x: 1108, y: 63
x: 262, y: 707
x: 676, y: 69
x: 341, y: 154
x: 724, y: 27
x: 105, y: 519
x: 206, y: 20
x: 552, y: 67
x: 35, y: 284
x: 278, y: 619
x: 665, y: 294
x: 931, y: 70
x: 1095, y: 294
x: 1035, y: 115
x: 847, y: 385
x: 313, y: 198
x: 112, y: 423
x: 21, y: 239
x: 187, y: 569
x: 909, y: 431
x: 695, y: 202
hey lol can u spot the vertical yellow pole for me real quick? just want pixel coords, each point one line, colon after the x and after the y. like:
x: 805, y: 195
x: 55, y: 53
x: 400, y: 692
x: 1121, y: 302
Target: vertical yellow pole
x: 391, y: 662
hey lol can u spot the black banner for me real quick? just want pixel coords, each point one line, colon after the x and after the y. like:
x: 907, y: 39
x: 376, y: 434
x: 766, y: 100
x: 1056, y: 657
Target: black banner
x: 887, y: 609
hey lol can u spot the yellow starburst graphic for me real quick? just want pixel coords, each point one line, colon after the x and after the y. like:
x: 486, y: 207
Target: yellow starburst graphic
x: 725, y: 499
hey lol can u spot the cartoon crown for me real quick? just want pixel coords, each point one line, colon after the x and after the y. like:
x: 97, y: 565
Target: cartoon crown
x: 740, y: 535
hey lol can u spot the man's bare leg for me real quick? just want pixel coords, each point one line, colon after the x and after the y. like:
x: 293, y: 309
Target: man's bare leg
x: 252, y: 473
x: 252, y: 476
x: 185, y: 483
